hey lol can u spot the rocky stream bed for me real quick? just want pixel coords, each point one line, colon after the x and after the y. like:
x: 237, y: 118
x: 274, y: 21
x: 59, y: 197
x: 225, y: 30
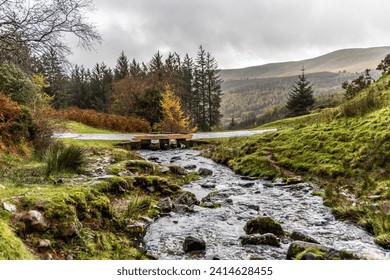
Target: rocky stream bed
x: 226, y: 202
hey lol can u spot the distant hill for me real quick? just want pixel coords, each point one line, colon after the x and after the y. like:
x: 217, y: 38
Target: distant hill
x: 249, y: 92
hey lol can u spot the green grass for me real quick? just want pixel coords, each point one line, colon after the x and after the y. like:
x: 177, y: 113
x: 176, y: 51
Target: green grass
x: 11, y: 247
x: 77, y: 127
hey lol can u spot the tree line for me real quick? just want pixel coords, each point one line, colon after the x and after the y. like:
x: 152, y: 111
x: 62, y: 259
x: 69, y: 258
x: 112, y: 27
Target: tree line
x: 34, y: 69
x: 136, y: 88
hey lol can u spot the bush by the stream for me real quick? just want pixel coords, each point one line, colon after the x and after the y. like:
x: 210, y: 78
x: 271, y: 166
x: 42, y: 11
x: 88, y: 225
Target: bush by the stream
x: 60, y: 157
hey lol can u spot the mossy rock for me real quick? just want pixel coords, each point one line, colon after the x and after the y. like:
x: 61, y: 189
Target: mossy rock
x: 142, y: 166
x: 383, y: 240
x: 263, y: 225
x: 311, y: 254
x: 298, y: 248
x: 116, y: 185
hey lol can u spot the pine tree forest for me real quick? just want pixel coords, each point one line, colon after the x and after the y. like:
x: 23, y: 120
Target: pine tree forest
x: 134, y: 88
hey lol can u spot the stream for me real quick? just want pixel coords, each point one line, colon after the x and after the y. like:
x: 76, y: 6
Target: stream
x: 293, y: 206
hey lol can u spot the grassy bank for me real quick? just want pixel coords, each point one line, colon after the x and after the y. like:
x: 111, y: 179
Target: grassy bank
x: 346, y: 150
x: 74, y: 214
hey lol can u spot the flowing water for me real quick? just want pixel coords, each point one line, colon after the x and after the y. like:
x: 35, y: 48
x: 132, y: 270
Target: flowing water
x: 221, y: 228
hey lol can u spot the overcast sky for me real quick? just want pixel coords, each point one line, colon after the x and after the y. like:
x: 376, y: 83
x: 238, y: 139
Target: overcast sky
x: 239, y: 33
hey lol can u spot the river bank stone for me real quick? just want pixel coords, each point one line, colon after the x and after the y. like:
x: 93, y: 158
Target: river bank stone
x: 261, y: 239
x: 192, y: 244
x: 263, y: 225
x: 301, y: 250
x: 187, y: 198
x: 34, y: 221
x: 208, y: 185
x: 298, y: 236
x: 178, y: 170
x: 165, y: 204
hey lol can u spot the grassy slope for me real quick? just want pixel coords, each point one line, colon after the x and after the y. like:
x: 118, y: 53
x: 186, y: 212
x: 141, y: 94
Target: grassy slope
x: 101, y: 211
x: 349, y: 156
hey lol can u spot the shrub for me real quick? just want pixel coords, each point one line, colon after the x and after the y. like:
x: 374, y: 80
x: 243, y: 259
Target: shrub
x: 102, y: 120
x: 63, y: 158
x: 360, y: 106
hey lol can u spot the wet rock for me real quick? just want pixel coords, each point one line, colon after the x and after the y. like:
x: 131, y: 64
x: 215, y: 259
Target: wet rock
x: 295, y: 235
x: 247, y: 184
x: 254, y: 207
x: 308, y: 256
x: 208, y: 185
x: 263, y: 225
x: 165, y: 205
x: 153, y: 158
x: 298, y: 247
x: 279, y: 182
x: 176, y: 169
x: 190, y: 167
x: 187, y: 198
x: 175, y: 158
x: 9, y: 207
x: 268, y: 185
x: 261, y: 239
x: 182, y: 208
x: 34, y: 221
x: 192, y: 244
x: 205, y: 172
x: 209, y: 204
x: 247, y: 178
x: 305, y: 250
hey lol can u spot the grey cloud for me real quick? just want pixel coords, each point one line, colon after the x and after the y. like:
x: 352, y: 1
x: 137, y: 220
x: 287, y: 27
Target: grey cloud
x: 237, y: 33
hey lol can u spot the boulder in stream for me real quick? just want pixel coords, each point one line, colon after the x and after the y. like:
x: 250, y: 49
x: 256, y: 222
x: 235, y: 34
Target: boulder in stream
x: 187, y: 198
x: 192, y: 244
x: 295, y: 235
x: 300, y: 250
x: 205, y: 172
x: 263, y: 225
x: 261, y: 239
x: 165, y: 205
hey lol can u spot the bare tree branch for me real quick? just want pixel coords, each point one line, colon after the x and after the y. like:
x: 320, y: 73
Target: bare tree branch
x: 42, y: 25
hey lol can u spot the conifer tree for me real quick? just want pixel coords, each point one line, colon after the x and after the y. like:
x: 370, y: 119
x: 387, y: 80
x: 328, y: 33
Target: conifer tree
x: 122, y: 67
x: 300, y: 98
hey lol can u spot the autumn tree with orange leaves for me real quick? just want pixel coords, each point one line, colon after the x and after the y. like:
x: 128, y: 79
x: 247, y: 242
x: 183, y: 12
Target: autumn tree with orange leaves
x: 174, y: 119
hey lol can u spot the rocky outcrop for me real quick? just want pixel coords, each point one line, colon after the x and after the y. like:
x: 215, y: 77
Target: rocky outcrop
x: 263, y: 225
x: 192, y: 244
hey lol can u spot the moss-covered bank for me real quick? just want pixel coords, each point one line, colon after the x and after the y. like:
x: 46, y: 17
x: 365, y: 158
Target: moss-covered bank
x: 100, y: 213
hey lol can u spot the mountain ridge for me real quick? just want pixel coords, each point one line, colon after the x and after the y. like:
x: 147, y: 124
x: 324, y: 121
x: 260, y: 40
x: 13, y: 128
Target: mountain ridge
x: 349, y: 60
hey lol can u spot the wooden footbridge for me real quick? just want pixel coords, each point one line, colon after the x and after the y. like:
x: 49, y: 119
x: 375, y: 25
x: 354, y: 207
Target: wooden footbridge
x: 158, y: 142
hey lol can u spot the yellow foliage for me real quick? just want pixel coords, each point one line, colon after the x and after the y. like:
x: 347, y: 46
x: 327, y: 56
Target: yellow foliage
x: 174, y: 120
x: 42, y: 99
